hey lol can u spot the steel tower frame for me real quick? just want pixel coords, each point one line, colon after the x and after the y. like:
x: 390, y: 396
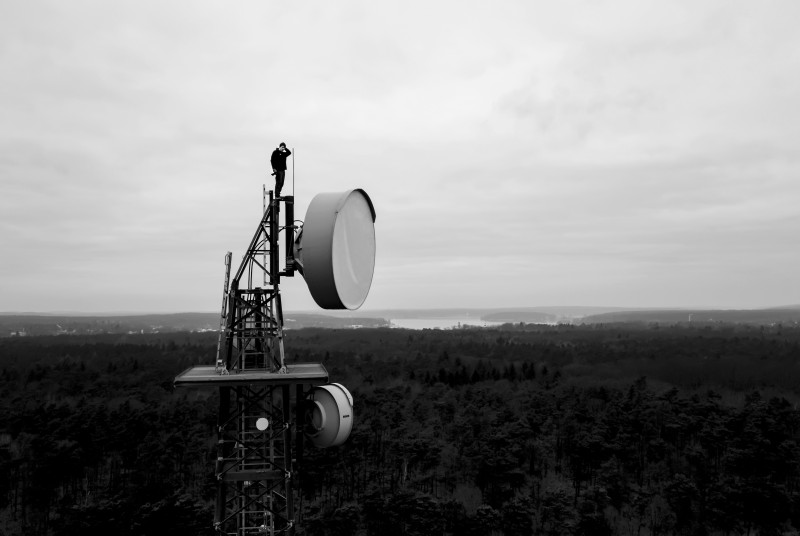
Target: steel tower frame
x: 256, y: 469
x: 254, y: 322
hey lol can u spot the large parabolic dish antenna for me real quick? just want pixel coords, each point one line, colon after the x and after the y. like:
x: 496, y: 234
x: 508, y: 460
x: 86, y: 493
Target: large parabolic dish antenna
x: 336, y: 248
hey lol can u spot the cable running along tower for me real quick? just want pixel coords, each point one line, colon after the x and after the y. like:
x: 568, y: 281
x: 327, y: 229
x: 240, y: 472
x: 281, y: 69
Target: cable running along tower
x: 267, y: 407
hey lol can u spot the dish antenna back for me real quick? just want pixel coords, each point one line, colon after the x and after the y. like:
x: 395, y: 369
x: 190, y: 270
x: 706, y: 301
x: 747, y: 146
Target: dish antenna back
x: 257, y: 432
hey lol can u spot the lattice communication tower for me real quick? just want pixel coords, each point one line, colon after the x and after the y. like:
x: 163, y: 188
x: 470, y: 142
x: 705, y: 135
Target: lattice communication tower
x: 267, y: 408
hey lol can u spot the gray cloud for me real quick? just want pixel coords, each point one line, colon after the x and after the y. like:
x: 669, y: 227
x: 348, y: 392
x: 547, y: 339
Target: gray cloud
x: 631, y: 153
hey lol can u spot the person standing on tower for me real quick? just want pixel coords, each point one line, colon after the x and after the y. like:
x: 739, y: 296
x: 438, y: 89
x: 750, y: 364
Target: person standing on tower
x: 278, y: 161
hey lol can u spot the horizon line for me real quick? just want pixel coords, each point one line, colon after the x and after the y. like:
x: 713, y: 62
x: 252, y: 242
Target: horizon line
x: 405, y: 309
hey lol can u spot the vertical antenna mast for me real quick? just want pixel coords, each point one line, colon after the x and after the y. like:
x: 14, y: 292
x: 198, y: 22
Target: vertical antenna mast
x: 220, y: 367
x: 264, y: 211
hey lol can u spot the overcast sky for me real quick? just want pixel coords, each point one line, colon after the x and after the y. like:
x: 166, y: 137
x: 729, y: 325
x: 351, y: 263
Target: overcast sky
x: 518, y: 153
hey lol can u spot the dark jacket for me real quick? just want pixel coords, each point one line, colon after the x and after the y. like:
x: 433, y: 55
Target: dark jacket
x: 278, y: 159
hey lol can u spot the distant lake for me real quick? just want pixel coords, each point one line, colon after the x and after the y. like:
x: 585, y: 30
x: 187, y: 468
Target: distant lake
x: 439, y: 323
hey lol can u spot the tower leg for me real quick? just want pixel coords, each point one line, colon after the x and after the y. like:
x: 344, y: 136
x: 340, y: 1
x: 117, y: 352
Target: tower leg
x: 287, y: 456
x: 222, y: 454
x: 255, y: 489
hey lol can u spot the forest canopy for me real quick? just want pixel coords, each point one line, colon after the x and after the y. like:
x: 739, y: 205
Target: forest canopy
x: 601, y: 429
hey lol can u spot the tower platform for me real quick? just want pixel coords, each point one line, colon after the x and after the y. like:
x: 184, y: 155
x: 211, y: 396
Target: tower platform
x: 207, y: 376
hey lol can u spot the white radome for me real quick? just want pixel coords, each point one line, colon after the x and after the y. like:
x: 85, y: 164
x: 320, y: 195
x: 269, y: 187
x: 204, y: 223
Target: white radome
x: 336, y: 248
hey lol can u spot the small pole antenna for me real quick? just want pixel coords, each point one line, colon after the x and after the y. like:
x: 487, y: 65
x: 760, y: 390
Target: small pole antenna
x: 293, y: 192
x: 264, y: 211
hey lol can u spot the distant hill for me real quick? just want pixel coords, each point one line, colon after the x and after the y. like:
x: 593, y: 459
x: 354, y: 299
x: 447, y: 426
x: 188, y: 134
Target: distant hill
x: 769, y: 316
x: 299, y: 321
x: 508, y: 314
x: 527, y: 317
x: 13, y: 324
x: 46, y: 324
